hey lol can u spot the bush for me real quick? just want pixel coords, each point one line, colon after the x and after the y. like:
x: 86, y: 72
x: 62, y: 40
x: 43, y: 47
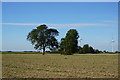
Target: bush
x: 55, y: 52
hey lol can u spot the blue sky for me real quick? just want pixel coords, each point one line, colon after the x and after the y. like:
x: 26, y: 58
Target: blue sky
x: 96, y: 23
x: 60, y: 0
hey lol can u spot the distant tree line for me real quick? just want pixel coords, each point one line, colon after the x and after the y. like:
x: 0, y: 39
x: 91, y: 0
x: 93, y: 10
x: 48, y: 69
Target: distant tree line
x: 69, y: 44
x: 87, y: 49
x: 42, y: 37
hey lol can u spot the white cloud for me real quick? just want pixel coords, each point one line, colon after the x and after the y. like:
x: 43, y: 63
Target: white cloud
x: 78, y: 25
x: 18, y: 24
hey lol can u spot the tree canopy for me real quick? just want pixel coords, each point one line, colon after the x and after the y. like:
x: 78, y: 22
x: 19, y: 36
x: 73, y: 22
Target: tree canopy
x: 70, y: 43
x: 86, y: 48
x: 43, y: 38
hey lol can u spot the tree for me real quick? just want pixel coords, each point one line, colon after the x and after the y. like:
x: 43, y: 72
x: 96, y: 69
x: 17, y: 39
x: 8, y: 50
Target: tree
x: 104, y: 51
x: 62, y: 44
x: 86, y: 48
x: 116, y: 52
x: 97, y: 51
x: 91, y: 49
x: 70, y: 44
x: 80, y: 50
x: 43, y: 38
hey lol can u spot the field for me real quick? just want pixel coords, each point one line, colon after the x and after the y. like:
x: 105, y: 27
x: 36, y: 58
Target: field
x: 59, y: 66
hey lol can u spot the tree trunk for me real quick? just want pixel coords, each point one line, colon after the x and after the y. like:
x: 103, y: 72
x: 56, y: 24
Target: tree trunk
x: 43, y: 50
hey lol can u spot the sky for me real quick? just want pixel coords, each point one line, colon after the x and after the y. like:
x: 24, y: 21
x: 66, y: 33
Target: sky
x: 60, y: 0
x: 96, y: 22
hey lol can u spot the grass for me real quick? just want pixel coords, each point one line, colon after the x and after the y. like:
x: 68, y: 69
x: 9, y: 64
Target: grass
x: 21, y: 53
x: 57, y: 52
x: 59, y: 66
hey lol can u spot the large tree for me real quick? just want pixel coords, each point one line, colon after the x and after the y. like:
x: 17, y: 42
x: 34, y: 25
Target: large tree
x: 70, y: 43
x: 43, y: 38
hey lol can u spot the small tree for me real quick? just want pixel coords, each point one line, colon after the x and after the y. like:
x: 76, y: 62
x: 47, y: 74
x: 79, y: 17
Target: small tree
x: 80, y: 50
x: 42, y: 38
x: 91, y: 49
x: 116, y: 52
x: 63, y: 45
x: 86, y: 48
x: 97, y: 51
x: 104, y: 51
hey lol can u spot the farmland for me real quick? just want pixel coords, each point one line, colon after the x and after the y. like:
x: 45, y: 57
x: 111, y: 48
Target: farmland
x: 59, y: 66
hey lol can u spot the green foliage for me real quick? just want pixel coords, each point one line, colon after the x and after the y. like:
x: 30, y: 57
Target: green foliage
x: 80, y: 50
x: 69, y: 43
x: 62, y: 44
x: 97, y: 51
x: 43, y: 37
x: 91, y: 50
x: 86, y: 48
x: 54, y: 52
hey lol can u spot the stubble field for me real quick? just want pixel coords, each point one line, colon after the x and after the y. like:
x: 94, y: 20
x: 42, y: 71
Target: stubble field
x: 59, y: 66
